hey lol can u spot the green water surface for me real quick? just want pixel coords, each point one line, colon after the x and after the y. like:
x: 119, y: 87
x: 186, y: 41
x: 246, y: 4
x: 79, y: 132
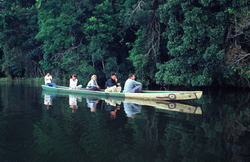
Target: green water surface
x: 46, y: 127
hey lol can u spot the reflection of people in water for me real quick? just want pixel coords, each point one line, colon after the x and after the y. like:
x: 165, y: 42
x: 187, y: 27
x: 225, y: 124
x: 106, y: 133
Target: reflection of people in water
x: 112, y: 106
x: 48, y: 100
x: 92, y: 103
x: 73, y: 102
x: 131, y: 109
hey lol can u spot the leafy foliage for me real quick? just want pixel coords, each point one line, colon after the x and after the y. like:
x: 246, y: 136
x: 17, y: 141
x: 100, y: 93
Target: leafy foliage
x: 195, y: 33
x: 178, y: 42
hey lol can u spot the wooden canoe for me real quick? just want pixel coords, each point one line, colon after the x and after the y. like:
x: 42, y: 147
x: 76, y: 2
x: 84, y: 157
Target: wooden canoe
x: 145, y: 95
x: 160, y: 105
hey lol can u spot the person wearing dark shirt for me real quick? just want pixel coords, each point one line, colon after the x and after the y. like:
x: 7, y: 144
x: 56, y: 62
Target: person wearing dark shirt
x: 112, y: 106
x: 112, y: 85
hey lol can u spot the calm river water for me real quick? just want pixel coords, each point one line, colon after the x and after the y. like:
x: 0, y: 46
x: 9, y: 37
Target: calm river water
x: 44, y: 127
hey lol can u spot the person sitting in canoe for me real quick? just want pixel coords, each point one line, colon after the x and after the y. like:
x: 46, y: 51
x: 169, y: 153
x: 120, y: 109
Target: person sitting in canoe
x: 73, y: 83
x: 92, y: 84
x: 132, y: 86
x: 112, y: 85
x: 48, y: 80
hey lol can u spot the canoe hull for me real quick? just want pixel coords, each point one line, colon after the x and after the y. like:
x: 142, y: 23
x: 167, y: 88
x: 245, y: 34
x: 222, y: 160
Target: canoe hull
x: 174, y: 95
x: 145, y: 95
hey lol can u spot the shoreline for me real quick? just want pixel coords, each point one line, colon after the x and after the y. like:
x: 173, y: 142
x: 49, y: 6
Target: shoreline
x: 40, y: 81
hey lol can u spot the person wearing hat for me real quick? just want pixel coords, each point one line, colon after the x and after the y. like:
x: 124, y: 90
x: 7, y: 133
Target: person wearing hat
x: 112, y: 85
x: 92, y: 84
x: 132, y: 86
x: 111, y: 106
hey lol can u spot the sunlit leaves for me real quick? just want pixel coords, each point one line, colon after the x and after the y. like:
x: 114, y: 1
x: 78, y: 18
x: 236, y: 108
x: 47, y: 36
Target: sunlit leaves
x: 196, y: 34
x: 55, y: 33
x: 100, y: 30
x: 187, y: 38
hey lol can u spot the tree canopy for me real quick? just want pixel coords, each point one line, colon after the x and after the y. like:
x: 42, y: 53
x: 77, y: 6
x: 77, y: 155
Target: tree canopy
x: 174, y: 42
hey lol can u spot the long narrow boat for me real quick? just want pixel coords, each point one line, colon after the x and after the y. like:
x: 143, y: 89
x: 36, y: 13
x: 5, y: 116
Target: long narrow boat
x: 145, y: 95
x: 160, y: 105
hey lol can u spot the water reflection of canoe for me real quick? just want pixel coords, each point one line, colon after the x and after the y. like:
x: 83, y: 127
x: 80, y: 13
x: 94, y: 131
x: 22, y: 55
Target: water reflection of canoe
x: 163, y: 105
x: 168, y: 105
x: 145, y: 95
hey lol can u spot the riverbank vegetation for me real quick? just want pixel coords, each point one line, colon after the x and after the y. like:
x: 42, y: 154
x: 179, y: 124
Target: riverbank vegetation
x: 174, y: 42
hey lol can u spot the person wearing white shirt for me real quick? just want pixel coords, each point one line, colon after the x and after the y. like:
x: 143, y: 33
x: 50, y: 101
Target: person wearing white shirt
x: 73, y: 83
x: 48, y: 80
x: 73, y: 102
x: 47, y: 101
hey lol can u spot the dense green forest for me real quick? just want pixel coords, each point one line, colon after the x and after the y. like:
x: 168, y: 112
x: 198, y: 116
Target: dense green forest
x: 168, y: 42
